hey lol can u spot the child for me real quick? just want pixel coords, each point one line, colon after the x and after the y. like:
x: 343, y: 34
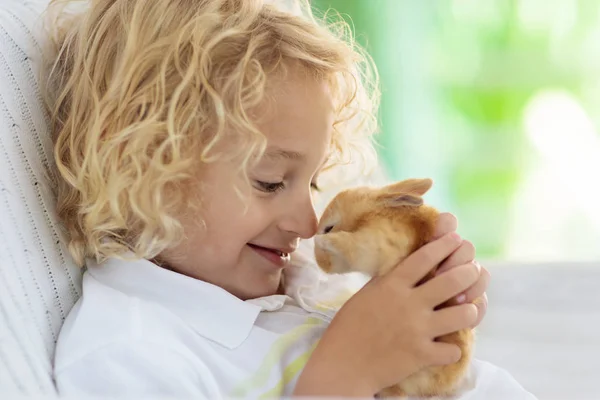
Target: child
x: 189, y: 135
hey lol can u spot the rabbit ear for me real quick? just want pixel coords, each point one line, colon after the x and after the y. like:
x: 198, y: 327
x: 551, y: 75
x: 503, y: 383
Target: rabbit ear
x: 417, y: 187
x: 404, y: 200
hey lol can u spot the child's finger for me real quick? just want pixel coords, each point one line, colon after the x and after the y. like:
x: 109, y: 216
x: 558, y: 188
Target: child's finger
x: 452, y: 319
x: 416, y: 266
x: 481, y: 304
x: 443, y: 287
x: 479, y: 288
x: 445, y: 224
x: 464, y: 254
x: 443, y: 353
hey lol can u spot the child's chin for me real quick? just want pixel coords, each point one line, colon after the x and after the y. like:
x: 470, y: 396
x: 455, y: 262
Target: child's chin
x: 266, y: 286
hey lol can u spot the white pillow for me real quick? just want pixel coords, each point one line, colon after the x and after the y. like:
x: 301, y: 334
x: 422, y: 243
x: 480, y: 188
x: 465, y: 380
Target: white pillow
x: 39, y: 282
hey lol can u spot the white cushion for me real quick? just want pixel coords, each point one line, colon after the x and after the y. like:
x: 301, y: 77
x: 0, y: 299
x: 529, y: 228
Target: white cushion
x: 39, y: 282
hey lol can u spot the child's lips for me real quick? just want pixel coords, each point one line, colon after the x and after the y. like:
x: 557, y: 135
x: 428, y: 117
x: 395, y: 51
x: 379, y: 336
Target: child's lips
x: 277, y: 257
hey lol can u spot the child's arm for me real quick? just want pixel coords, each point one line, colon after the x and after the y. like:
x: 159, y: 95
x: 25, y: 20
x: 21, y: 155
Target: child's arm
x: 386, y: 331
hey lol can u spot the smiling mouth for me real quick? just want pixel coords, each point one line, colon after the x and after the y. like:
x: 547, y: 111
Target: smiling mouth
x: 278, y: 252
x: 277, y: 257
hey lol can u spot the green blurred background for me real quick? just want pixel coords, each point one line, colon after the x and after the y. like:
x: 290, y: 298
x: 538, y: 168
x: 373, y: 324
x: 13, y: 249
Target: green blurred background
x: 499, y: 102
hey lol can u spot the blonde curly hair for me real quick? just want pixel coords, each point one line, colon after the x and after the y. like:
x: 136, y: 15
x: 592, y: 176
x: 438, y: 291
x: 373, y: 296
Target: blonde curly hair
x: 142, y: 92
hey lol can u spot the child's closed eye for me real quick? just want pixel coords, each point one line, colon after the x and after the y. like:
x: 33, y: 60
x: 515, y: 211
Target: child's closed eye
x: 273, y: 187
x: 270, y: 187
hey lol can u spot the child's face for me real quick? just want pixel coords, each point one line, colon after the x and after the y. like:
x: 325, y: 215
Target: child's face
x: 231, y: 251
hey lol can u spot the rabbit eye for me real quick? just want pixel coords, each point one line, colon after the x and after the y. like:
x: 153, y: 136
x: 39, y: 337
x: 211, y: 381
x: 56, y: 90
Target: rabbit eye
x: 328, y: 229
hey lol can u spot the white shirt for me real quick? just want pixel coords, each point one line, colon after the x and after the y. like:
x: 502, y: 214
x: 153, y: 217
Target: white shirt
x: 141, y: 330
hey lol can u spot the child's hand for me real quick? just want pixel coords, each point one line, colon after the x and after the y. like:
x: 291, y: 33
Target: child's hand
x: 386, y: 331
x: 464, y: 254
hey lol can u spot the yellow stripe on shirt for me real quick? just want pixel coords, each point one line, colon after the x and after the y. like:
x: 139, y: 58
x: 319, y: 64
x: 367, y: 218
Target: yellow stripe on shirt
x: 262, y: 374
x: 289, y: 373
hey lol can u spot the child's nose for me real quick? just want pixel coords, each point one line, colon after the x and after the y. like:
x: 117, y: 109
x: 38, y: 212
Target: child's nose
x: 301, y: 219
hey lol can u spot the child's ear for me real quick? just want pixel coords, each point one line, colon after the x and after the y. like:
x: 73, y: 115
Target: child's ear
x: 417, y: 187
x: 403, y: 200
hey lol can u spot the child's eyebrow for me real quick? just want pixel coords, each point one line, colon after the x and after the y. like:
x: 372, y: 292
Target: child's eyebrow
x: 277, y: 153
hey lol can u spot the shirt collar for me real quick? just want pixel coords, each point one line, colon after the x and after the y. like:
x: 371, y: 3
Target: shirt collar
x: 210, y: 310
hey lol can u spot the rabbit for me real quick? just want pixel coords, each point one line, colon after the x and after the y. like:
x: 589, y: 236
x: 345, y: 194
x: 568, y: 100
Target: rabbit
x: 371, y: 230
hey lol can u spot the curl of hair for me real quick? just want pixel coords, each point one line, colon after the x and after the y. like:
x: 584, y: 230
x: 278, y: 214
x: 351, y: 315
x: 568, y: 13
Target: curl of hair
x: 141, y: 94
